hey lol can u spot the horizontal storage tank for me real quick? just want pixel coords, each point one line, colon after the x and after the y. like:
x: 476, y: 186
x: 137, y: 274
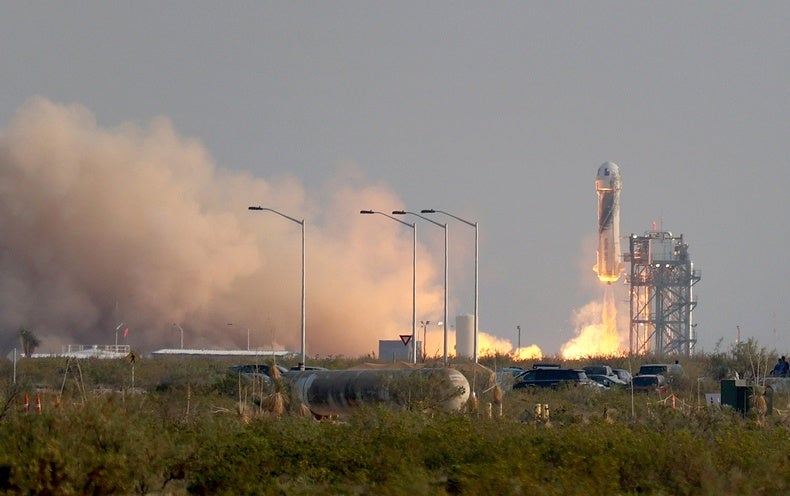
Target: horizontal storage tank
x: 339, y: 392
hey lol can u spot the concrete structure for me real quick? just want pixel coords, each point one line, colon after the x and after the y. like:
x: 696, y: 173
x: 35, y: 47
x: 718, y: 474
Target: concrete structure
x: 394, y: 350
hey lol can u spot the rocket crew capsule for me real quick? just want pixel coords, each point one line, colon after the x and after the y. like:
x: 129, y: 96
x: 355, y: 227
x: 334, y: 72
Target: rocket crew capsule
x: 608, y: 185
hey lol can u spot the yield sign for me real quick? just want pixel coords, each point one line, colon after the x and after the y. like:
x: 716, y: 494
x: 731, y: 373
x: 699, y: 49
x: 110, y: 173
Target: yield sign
x: 406, y: 338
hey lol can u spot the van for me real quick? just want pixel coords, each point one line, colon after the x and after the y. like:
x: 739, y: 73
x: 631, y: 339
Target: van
x: 647, y: 383
x: 665, y: 369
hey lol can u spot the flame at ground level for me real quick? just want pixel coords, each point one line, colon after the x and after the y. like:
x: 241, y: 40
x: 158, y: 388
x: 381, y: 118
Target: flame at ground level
x: 487, y: 344
x: 597, y: 335
x: 532, y: 352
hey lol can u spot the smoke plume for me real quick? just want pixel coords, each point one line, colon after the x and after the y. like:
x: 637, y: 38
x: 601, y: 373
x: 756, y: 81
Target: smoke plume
x: 597, y: 330
x: 137, y: 225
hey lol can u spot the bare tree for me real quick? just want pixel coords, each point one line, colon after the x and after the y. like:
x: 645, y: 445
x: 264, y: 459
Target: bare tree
x: 29, y: 341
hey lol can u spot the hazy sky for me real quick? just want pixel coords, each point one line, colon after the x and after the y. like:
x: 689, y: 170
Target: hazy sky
x: 498, y: 112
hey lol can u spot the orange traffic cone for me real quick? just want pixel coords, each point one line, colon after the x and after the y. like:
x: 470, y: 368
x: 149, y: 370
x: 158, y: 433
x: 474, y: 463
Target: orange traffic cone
x: 27, y: 403
x: 38, y: 403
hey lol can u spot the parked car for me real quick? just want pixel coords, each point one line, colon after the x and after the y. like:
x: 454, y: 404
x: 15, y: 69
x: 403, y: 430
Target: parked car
x: 608, y: 381
x: 506, y: 376
x: 514, y: 371
x: 254, y: 370
x: 665, y: 369
x: 545, y: 366
x: 623, y: 375
x: 648, y: 383
x: 307, y: 367
x: 599, y: 370
x: 603, y: 375
x: 551, y: 377
x: 671, y: 371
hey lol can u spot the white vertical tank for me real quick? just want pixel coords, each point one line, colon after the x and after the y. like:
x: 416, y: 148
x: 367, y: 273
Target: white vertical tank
x: 464, y: 335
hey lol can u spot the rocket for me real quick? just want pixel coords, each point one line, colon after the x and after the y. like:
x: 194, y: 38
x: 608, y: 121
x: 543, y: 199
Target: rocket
x: 608, y: 185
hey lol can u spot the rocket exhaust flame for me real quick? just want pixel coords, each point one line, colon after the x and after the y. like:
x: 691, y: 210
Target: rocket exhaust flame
x: 596, y: 337
x: 608, y: 184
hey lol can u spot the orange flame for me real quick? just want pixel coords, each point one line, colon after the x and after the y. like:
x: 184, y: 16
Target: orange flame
x: 595, y: 338
x: 532, y: 352
x: 487, y: 344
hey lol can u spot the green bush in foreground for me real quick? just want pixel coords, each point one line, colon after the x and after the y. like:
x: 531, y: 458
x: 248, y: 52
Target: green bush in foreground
x: 194, y: 428
x: 125, y: 447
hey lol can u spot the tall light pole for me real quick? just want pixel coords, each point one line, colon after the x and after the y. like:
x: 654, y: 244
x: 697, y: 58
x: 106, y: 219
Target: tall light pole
x: 443, y: 226
x: 518, y: 328
x: 424, y: 324
x: 302, y: 224
x: 116, y: 335
x: 413, y: 278
x: 182, y: 333
x: 473, y: 224
x: 248, y: 335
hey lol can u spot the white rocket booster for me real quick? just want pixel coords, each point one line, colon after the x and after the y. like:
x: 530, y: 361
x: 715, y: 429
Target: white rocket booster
x: 608, y: 185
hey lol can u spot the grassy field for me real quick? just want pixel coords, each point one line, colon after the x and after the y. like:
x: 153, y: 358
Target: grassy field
x: 191, y: 426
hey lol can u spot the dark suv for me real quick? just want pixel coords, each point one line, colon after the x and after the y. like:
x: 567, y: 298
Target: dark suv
x: 551, y: 378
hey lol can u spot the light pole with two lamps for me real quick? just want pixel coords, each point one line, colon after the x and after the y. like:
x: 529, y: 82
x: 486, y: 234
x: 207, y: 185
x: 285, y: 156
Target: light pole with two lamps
x: 473, y: 224
x: 443, y: 226
x: 413, y: 278
x: 302, y: 224
x: 117, y: 328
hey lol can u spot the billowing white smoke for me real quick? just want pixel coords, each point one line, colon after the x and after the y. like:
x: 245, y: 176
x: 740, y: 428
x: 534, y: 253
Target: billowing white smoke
x: 137, y: 225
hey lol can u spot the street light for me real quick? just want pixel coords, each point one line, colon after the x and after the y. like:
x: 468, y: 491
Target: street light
x: 443, y: 226
x: 518, y: 328
x: 473, y: 224
x: 116, y: 335
x: 248, y: 335
x: 302, y: 224
x: 424, y: 324
x: 182, y: 333
x: 413, y: 278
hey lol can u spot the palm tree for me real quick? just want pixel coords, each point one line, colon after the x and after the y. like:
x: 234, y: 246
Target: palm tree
x: 29, y: 341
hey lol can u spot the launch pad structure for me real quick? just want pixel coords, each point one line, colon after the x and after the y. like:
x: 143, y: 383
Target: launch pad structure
x: 661, y: 299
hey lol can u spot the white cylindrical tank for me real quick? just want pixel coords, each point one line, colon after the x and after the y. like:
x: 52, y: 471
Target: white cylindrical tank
x: 464, y: 335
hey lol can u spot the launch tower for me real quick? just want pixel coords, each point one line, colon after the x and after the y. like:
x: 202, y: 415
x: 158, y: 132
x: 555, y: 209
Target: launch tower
x: 661, y: 300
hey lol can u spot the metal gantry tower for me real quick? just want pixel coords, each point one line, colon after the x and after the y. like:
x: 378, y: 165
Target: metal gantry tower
x: 661, y: 299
